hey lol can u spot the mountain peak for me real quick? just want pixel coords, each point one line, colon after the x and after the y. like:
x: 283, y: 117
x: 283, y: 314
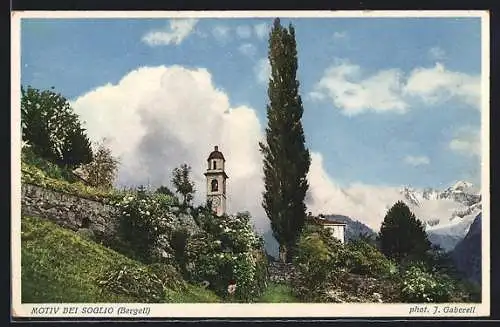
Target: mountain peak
x: 462, y: 186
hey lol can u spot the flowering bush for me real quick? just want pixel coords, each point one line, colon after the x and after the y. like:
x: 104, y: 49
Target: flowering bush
x: 227, y: 250
x: 420, y: 286
x: 145, y: 226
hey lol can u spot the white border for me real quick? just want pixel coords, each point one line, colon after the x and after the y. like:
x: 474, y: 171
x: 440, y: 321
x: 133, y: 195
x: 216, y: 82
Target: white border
x: 246, y: 310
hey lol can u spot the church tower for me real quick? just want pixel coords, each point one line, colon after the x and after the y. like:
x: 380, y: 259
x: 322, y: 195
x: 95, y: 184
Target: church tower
x: 216, y: 181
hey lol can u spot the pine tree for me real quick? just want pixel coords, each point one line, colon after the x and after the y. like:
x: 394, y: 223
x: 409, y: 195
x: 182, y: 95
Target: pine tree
x: 402, y: 236
x: 77, y: 149
x: 286, y: 159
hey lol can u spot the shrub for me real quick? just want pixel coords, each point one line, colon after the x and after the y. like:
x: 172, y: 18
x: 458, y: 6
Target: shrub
x: 145, y: 224
x: 365, y: 259
x: 50, y: 169
x: 317, y: 263
x: 178, y: 242
x: 31, y: 174
x: 420, y: 286
x: 227, y: 250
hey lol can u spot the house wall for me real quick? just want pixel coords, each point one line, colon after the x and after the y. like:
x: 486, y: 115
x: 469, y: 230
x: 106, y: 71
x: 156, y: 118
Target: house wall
x: 338, y: 231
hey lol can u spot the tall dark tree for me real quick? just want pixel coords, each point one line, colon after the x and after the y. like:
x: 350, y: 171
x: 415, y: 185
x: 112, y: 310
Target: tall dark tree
x: 77, y: 149
x: 286, y: 159
x: 52, y: 129
x: 402, y: 236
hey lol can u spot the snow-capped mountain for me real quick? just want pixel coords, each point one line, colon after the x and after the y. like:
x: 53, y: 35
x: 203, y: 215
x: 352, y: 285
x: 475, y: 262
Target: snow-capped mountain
x: 447, y: 214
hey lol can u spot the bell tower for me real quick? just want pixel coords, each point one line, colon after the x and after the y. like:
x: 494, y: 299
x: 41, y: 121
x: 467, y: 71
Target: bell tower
x: 216, y: 181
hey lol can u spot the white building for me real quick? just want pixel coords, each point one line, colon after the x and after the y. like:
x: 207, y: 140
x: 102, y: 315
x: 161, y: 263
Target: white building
x: 337, y: 228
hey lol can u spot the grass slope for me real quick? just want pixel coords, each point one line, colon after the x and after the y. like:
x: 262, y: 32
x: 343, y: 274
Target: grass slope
x: 60, y: 266
x: 278, y: 293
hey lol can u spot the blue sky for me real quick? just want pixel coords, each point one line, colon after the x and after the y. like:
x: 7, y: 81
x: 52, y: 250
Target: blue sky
x: 420, y: 130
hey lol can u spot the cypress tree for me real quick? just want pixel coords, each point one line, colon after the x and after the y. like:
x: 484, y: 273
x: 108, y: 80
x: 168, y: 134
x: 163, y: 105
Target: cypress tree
x: 286, y: 159
x: 402, y: 236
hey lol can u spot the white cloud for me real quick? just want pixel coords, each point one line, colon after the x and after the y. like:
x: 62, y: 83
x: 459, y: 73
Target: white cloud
x: 438, y: 84
x: 244, y: 31
x: 262, y: 70
x: 416, y: 160
x: 261, y: 30
x: 366, y: 203
x: 221, y: 33
x: 344, y: 85
x: 175, y: 33
x: 467, y: 141
x: 354, y: 92
x: 248, y: 49
x: 436, y: 53
x: 154, y: 122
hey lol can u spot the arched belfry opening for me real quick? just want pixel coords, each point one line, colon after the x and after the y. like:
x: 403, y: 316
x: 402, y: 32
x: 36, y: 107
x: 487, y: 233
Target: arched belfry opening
x: 215, y: 185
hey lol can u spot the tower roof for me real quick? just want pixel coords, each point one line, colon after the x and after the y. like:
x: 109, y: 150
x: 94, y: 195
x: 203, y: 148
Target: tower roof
x: 216, y: 154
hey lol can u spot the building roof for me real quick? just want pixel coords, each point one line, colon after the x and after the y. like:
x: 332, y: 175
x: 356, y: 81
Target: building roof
x: 323, y: 221
x: 216, y: 154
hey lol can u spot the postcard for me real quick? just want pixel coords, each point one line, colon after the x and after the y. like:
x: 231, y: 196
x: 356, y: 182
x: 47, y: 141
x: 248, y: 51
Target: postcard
x: 262, y: 164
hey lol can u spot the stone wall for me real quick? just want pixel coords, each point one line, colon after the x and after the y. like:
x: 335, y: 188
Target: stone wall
x: 73, y: 212
x: 68, y: 210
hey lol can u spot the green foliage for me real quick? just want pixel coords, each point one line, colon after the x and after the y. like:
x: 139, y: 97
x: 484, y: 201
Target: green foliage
x: 192, y: 294
x: 278, y: 293
x: 402, y: 236
x: 101, y: 171
x: 183, y: 183
x: 50, y: 169
x: 286, y: 159
x: 144, y: 225
x: 318, y: 263
x: 87, y: 234
x: 365, y: 259
x: 52, y: 129
x: 47, y: 276
x: 136, y: 282
x: 165, y: 190
x: 93, y: 273
x: 420, y: 286
x: 227, y: 250
x: 33, y: 175
x: 178, y: 242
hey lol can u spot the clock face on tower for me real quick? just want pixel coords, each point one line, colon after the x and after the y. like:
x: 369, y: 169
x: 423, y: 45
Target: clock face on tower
x: 215, y: 202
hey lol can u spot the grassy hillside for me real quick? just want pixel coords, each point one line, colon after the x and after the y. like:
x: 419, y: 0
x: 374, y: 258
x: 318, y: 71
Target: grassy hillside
x: 58, y: 265
x: 278, y: 293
